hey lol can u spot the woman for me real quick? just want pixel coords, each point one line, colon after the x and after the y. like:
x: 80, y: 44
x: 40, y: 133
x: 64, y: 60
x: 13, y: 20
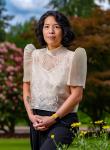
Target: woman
x: 54, y: 78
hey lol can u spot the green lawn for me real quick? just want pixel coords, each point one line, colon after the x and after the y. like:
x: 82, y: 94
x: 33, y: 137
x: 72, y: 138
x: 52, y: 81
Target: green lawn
x: 24, y: 144
x: 14, y: 144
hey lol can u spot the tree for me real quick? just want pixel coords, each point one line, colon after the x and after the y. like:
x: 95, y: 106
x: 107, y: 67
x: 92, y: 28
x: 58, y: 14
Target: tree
x: 22, y: 34
x: 82, y: 8
x: 94, y: 35
x: 3, y: 20
x: 11, y: 74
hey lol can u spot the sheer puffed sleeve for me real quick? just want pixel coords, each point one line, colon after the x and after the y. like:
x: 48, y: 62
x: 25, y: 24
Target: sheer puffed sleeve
x: 28, y: 50
x: 78, y: 68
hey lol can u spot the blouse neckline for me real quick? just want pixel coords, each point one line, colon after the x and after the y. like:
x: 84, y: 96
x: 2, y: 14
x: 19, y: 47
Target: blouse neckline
x: 55, y: 51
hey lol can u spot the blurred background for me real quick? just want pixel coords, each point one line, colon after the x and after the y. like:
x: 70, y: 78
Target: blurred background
x: 90, y: 21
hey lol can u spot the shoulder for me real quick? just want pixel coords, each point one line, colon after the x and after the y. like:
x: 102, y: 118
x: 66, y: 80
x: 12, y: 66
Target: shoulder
x: 80, y: 51
x: 31, y: 50
x: 80, y: 55
x: 68, y: 51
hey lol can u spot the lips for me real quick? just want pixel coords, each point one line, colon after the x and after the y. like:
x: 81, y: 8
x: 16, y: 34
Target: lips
x: 51, y: 37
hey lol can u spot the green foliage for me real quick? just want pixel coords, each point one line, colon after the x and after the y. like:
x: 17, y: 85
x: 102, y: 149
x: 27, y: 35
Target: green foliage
x: 11, y: 105
x: 91, y: 143
x: 81, y: 8
x: 95, y: 139
x: 94, y: 35
x: 84, y: 118
x: 14, y: 144
x: 96, y: 100
x: 22, y: 34
x: 3, y: 20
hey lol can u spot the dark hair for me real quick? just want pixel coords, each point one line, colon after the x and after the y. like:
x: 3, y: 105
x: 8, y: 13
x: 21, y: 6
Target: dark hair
x: 62, y: 20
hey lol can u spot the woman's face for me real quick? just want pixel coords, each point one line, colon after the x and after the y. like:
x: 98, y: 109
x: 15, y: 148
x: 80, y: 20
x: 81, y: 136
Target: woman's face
x: 52, y: 32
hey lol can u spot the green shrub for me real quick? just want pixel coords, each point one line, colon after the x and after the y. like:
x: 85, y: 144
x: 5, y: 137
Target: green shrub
x: 11, y: 105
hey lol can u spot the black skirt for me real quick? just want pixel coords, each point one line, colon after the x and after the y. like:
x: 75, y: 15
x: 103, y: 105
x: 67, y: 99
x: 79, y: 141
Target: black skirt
x: 41, y: 140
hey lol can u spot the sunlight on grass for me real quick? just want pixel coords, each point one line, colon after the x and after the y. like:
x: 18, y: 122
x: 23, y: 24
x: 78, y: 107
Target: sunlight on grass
x: 14, y: 144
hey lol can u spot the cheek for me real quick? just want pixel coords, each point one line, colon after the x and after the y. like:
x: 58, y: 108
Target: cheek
x: 59, y: 35
x: 44, y: 33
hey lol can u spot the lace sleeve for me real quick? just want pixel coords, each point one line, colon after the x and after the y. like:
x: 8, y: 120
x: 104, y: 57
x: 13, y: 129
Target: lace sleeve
x: 78, y: 68
x: 27, y: 62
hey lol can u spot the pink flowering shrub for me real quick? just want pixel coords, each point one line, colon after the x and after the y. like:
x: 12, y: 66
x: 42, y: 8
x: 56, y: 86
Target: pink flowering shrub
x: 11, y: 72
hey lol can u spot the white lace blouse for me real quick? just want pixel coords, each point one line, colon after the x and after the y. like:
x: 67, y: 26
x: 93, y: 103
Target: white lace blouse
x: 51, y: 72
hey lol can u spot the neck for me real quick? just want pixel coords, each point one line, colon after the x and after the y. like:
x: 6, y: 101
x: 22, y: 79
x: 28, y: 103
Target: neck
x: 50, y: 47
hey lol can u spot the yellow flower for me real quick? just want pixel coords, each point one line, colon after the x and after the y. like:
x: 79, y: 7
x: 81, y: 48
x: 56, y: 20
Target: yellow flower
x: 82, y: 133
x: 76, y: 124
x: 106, y: 127
x: 52, y: 136
x: 98, y: 122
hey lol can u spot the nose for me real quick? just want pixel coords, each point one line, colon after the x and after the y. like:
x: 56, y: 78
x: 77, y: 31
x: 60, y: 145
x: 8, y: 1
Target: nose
x: 51, y: 30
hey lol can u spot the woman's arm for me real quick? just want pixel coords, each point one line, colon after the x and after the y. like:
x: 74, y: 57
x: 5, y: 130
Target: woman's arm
x: 67, y: 107
x: 74, y: 98
x: 27, y: 99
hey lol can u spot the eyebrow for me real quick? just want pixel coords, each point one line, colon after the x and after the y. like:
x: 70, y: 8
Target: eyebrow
x: 49, y: 24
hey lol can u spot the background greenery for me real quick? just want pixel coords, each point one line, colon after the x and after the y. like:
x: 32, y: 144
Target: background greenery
x: 24, y: 144
x: 14, y: 144
x: 91, y: 26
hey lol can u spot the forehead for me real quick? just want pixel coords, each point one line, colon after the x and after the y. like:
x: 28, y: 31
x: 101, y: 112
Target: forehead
x: 50, y: 20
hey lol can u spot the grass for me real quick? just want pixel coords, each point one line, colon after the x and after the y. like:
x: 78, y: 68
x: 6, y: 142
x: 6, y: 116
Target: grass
x: 91, y: 144
x: 24, y: 144
x: 84, y: 118
x: 15, y: 144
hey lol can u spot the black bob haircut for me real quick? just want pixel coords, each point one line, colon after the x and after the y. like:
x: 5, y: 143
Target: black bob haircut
x: 68, y: 35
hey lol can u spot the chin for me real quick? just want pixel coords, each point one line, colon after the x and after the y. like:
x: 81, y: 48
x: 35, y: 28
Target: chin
x: 51, y: 43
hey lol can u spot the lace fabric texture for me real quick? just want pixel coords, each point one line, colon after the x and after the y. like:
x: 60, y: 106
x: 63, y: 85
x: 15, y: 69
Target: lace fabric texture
x: 50, y: 74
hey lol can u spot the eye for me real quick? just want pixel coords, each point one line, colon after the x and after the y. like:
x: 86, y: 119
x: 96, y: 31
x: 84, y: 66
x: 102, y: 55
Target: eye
x: 46, y: 26
x: 57, y: 26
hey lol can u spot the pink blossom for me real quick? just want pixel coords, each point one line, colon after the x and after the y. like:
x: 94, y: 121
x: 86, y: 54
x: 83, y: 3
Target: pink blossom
x: 10, y: 78
x: 8, y: 83
x: 1, y: 60
x: 3, y: 50
x: 10, y: 45
x: 17, y: 68
x: 2, y: 96
x: 10, y: 69
x: 18, y: 59
x: 11, y: 56
x: 15, y: 89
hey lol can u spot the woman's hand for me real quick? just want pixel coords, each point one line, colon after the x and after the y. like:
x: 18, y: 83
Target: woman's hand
x: 47, y: 121
x: 35, y: 118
